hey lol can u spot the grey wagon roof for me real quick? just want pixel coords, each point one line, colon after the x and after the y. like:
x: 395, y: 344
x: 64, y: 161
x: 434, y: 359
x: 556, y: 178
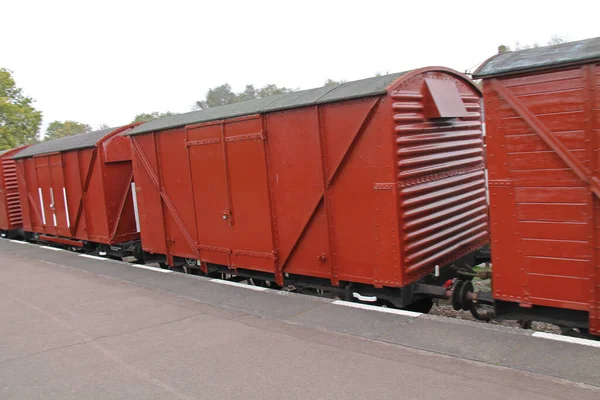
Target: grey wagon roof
x: 587, y: 50
x: 81, y: 141
x: 345, y: 91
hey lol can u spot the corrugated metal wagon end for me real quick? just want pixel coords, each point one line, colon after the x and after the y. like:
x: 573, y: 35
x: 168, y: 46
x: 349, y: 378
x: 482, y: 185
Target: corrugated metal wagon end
x: 11, y: 218
x: 440, y: 182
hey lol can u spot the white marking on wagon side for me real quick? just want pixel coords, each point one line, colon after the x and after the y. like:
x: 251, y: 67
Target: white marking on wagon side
x: 51, y: 248
x: 135, y: 207
x: 242, y: 285
x: 378, y: 308
x: 66, y: 208
x: 42, y: 206
x: 567, y: 339
x: 92, y: 257
x: 164, y: 271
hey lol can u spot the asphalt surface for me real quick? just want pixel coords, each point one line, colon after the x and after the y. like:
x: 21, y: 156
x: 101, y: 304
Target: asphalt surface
x: 81, y: 328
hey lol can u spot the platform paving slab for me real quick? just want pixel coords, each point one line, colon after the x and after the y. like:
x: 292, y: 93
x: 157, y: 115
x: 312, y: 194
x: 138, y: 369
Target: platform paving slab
x: 62, y: 316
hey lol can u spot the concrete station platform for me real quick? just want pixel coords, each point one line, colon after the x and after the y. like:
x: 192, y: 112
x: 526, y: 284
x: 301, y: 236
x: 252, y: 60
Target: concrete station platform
x: 75, y: 327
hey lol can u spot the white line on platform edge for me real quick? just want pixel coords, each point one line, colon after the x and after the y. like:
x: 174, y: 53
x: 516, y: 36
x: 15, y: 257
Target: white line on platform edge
x: 51, y: 248
x: 377, y: 308
x: 164, y: 271
x: 567, y: 339
x: 93, y: 257
x: 18, y: 241
x: 242, y: 285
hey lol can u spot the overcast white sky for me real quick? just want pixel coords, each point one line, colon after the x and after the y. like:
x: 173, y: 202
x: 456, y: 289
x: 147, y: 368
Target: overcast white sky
x: 103, y: 62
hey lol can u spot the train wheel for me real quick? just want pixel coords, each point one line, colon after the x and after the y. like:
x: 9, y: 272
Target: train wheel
x: 422, y: 306
x: 264, y: 283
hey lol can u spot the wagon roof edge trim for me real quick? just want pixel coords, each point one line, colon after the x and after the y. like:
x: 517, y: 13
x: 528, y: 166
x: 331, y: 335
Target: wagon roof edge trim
x: 10, y: 152
x: 547, y: 57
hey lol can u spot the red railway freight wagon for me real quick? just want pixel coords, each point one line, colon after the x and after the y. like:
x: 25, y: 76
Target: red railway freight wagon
x: 543, y: 121
x: 77, y: 191
x: 11, y: 218
x: 369, y: 185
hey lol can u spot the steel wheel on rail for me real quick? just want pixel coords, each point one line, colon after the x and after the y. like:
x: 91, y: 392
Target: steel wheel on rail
x: 422, y: 306
x: 264, y: 283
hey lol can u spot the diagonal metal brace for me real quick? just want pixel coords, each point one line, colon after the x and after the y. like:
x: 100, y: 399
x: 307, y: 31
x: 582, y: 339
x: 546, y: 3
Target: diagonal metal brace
x: 552, y: 141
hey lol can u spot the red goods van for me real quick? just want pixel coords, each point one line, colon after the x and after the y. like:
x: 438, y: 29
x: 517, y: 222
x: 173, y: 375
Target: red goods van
x: 11, y: 218
x: 543, y: 121
x: 372, y: 182
x: 77, y: 191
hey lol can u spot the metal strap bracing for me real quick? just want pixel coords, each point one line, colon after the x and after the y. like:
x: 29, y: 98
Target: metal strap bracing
x: 203, y: 265
x: 552, y: 141
x: 589, y: 79
x: 229, y: 210
x: 165, y: 199
x: 329, y: 180
x: 272, y: 212
x: 84, y: 190
x: 122, y: 206
x: 326, y: 198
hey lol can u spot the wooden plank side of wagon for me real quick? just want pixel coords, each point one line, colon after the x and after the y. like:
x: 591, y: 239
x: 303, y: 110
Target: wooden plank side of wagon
x: 587, y: 174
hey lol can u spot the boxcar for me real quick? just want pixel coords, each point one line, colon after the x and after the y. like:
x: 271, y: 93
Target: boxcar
x: 542, y: 122
x: 11, y: 219
x: 367, y: 184
x: 77, y: 192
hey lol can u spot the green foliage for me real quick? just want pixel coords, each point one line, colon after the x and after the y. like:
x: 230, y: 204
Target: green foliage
x: 271, y: 90
x: 103, y: 126
x: 143, y: 117
x: 223, y: 94
x: 58, y: 129
x: 331, y: 82
x: 19, y: 120
x: 555, y: 39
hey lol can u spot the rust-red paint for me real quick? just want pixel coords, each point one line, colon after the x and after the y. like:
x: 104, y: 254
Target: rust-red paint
x: 10, y: 206
x: 61, y: 240
x: 97, y: 184
x: 544, y: 187
x: 343, y: 191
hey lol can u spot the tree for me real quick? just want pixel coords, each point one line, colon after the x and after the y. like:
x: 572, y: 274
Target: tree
x: 103, y: 126
x: 223, y: 94
x: 19, y: 120
x: 143, y: 117
x: 58, y: 129
x: 218, y: 96
x: 555, y: 39
x: 331, y: 82
x: 271, y: 90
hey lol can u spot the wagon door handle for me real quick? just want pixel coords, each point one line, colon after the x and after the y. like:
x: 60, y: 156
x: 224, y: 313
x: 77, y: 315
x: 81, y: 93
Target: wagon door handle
x: 226, y: 214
